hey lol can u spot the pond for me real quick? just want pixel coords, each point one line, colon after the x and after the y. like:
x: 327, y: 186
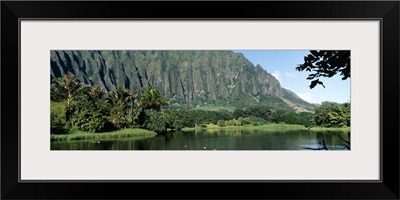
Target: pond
x: 221, y: 140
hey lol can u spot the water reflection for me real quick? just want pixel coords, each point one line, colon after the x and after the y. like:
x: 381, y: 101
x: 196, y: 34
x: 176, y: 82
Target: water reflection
x: 221, y: 140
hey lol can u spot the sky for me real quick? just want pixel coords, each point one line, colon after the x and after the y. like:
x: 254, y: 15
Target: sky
x: 282, y: 64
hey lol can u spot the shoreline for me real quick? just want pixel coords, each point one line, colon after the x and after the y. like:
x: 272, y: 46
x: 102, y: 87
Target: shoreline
x: 124, y: 133
x: 143, y: 133
x: 266, y: 127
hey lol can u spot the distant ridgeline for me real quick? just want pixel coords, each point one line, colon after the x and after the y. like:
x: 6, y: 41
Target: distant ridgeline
x: 187, y: 78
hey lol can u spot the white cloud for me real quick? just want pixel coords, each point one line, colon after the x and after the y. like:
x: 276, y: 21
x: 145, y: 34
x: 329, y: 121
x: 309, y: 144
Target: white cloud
x: 323, y: 98
x: 311, y: 99
x: 277, y: 75
x: 307, y: 97
x: 291, y: 75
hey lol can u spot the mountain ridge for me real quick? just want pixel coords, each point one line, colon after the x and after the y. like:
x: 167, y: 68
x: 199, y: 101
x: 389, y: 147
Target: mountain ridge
x: 194, y: 77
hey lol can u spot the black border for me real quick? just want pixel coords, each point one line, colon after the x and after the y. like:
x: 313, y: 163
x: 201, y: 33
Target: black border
x: 13, y: 11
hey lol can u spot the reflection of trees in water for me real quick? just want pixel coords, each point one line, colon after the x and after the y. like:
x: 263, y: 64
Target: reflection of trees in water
x: 142, y: 145
x: 347, y: 142
x: 331, y: 140
x: 221, y: 140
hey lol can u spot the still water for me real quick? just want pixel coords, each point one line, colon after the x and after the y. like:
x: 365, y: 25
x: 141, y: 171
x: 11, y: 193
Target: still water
x: 221, y: 140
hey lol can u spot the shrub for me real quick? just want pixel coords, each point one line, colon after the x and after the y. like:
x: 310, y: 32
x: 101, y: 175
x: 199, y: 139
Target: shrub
x: 256, y: 121
x: 244, y: 121
x: 88, y: 120
x: 230, y: 123
x: 178, y: 125
x: 154, y: 121
x: 221, y: 123
x: 57, y: 116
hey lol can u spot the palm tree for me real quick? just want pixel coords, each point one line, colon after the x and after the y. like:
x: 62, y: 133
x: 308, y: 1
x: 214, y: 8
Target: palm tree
x: 118, y: 99
x: 152, y: 99
x: 96, y: 93
x: 68, y: 88
x: 132, y: 97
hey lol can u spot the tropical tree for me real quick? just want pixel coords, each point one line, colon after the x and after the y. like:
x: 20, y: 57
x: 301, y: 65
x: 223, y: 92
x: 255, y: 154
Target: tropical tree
x: 132, y: 97
x: 326, y: 64
x: 155, y: 121
x: 277, y: 116
x: 57, y: 116
x: 66, y: 88
x: 347, y: 111
x: 332, y: 114
x: 151, y: 98
x: 87, y: 116
x: 291, y: 118
x: 307, y: 119
x: 96, y: 93
x: 118, y: 99
x: 238, y: 112
x: 322, y: 113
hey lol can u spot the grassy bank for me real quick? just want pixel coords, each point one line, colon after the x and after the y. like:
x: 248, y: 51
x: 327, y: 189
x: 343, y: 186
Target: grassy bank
x: 329, y: 129
x: 125, y: 133
x: 267, y: 127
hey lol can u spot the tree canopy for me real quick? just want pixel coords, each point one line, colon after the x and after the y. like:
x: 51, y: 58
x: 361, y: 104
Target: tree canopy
x: 151, y: 99
x: 325, y: 64
x: 332, y: 114
x: 66, y: 88
x: 118, y: 99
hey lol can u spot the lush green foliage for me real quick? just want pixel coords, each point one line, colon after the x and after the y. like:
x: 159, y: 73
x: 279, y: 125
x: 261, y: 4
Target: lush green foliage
x: 264, y: 112
x: 331, y: 114
x: 66, y: 88
x: 88, y: 120
x: 87, y: 114
x: 57, y: 116
x: 90, y: 111
x: 256, y: 121
x: 177, y: 119
x: 151, y: 98
x: 307, y: 119
x: 221, y: 123
x: 266, y: 127
x: 119, y: 99
x: 154, y: 121
x: 236, y: 122
x: 259, y: 115
x: 326, y: 64
x: 96, y: 94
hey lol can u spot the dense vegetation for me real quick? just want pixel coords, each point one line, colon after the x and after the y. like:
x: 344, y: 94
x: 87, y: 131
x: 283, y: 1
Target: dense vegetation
x: 78, y: 107
x: 328, y: 114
